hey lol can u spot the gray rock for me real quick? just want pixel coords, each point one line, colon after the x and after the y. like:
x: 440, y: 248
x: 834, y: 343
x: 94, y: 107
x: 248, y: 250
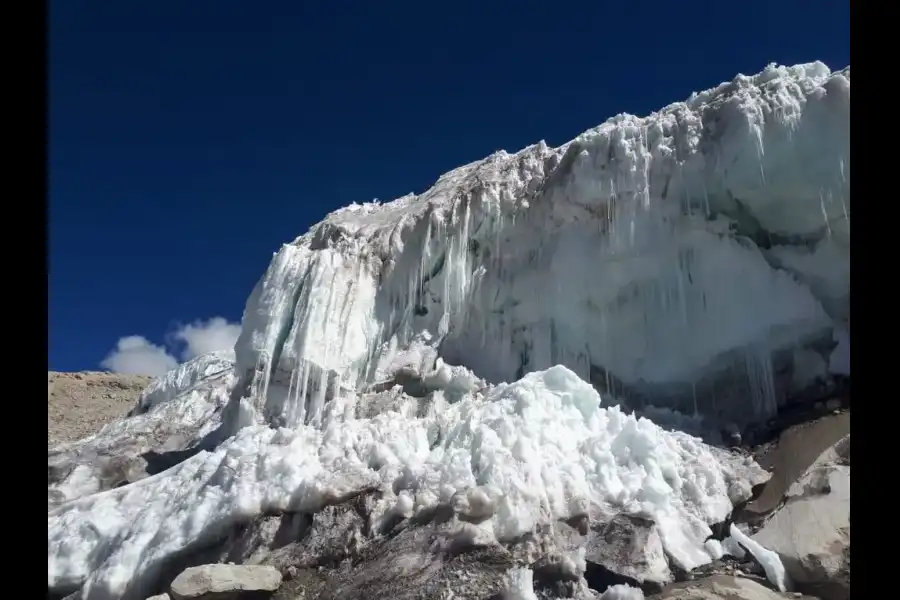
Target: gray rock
x: 427, y: 561
x: 811, y: 532
x: 622, y: 549
x: 300, y: 540
x: 630, y: 547
x: 722, y: 587
x: 226, y: 582
x: 159, y: 597
x: 797, y: 449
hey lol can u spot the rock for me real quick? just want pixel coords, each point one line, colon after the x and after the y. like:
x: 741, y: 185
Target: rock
x: 159, y: 597
x: 226, y: 582
x: 302, y: 540
x: 630, y: 547
x: 797, y: 449
x: 432, y: 560
x: 721, y: 587
x: 811, y: 532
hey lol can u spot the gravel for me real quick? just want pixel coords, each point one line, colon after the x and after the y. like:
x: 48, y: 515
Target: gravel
x: 80, y: 404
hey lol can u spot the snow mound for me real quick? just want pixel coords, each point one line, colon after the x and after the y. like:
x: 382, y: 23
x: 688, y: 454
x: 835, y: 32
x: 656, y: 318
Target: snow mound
x: 541, y: 448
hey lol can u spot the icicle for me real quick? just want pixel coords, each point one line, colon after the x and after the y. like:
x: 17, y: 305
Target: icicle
x: 705, y: 198
x: 760, y: 152
x: 824, y: 212
x: 318, y: 399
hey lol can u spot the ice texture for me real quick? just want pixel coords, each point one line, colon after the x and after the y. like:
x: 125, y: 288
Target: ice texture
x: 622, y: 592
x: 186, y: 376
x: 644, y: 258
x: 539, y: 449
x: 770, y: 561
x: 521, y: 585
x: 637, y: 251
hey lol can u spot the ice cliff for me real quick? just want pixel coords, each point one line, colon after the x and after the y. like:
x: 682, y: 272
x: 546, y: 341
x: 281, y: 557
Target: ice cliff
x: 683, y: 258
x: 697, y: 258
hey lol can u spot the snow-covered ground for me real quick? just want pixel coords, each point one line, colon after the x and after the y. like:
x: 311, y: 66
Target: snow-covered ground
x: 657, y: 251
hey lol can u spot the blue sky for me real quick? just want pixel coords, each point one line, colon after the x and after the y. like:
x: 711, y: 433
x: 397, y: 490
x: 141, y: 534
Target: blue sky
x: 189, y: 140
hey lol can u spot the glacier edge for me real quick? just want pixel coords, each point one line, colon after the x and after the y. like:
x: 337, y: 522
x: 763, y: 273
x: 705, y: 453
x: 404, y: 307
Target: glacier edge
x: 646, y: 250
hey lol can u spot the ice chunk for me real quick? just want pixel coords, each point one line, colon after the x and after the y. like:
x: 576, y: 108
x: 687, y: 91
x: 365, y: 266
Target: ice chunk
x: 770, y: 561
x: 622, y: 592
x: 520, y: 585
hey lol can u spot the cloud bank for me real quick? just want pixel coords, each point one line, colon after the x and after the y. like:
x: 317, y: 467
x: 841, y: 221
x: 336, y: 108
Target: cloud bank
x: 136, y: 355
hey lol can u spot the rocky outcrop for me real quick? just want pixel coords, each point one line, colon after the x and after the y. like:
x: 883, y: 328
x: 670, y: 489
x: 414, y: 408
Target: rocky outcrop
x: 226, y: 582
x: 811, y: 531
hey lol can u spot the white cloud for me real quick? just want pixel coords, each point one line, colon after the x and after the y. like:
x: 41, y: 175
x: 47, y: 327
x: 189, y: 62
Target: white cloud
x: 136, y: 355
x: 200, y: 338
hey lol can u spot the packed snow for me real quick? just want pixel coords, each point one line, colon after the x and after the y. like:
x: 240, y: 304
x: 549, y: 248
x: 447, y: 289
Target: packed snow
x: 644, y: 258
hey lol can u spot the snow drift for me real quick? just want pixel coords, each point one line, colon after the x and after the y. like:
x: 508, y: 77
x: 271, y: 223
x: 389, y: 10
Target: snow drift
x: 686, y: 259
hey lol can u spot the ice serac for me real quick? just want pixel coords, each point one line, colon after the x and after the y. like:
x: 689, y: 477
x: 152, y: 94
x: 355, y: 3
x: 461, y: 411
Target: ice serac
x: 679, y: 259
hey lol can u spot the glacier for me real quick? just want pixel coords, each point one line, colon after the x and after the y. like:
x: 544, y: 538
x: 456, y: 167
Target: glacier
x: 695, y: 260
x: 645, y: 255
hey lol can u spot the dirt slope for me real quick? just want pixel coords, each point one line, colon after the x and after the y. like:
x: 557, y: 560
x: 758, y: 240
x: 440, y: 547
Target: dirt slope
x: 79, y: 404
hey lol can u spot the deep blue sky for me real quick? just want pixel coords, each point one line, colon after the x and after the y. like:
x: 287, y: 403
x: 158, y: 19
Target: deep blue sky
x: 188, y: 140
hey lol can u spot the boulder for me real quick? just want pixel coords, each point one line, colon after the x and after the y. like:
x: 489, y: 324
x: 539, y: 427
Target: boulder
x: 795, y: 452
x: 159, y: 597
x: 226, y: 582
x: 811, y: 531
x: 722, y: 587
x: 605, y: 550
x: 628, y: 547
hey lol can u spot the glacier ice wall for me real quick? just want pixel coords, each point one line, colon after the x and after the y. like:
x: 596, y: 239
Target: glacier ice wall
x: 673, y: 257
